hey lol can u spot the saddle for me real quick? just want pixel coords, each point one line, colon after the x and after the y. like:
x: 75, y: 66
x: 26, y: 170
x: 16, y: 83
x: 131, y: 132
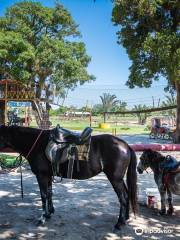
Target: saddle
x: 176, y: 170
x: 62, y: 146
x: 169, y: 164
x: 172, y: 167
x: 62, y: 135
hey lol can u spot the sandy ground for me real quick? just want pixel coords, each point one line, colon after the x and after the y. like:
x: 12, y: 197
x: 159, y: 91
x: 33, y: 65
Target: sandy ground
x: 84, y: 210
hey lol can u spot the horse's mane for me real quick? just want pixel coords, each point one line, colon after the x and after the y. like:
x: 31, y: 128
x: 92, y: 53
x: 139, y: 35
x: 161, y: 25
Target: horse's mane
x: 156, y: 157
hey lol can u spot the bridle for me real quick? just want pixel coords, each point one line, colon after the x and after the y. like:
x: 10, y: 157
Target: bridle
x: 146, y: 167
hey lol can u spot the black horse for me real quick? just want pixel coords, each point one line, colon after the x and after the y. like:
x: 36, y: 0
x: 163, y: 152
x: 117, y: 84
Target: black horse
x: 107, y: 153
x: 154, y: 160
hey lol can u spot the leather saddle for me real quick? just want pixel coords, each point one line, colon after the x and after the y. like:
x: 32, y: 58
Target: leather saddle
x: 60, y: 145
x: 62, y: 135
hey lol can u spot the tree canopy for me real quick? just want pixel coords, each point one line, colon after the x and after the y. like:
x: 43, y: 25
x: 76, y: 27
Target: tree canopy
x: 41, y: 44
x: 150, y: 32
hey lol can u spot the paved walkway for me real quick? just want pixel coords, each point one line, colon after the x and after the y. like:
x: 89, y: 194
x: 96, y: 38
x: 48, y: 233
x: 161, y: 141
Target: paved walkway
x: 138, y: 139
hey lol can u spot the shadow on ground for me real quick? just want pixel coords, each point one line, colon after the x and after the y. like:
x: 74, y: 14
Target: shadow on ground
x: 84, y: 210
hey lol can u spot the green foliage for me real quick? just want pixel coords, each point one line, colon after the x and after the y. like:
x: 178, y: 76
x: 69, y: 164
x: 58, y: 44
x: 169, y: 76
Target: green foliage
x: 108, y: 101
x: 149, y: 30
x: 142, y: 117
x: 97, y: 109
x: 170, y: 101
x: 56, y: 112
x: 16, y: 55
x: 37, y: 44
x: 120, y: 106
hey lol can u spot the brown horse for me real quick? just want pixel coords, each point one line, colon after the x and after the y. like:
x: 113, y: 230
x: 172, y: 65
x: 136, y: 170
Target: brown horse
x: 107, y: 154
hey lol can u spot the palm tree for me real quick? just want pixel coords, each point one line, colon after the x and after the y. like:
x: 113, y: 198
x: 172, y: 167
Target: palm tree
x: 142, y: 117
x: 108, y: 101
x: 170, y: 101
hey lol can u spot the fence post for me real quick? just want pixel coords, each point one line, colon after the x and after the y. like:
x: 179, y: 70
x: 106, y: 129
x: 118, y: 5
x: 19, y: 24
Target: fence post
x: 104, y: 114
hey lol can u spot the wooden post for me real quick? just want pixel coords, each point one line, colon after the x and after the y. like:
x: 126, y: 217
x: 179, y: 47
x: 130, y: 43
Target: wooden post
x: 104, y: 114
x: 26, y: 117
x: 90, y: 120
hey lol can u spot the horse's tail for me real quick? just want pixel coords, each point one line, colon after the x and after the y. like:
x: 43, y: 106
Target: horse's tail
x: 132, y: 181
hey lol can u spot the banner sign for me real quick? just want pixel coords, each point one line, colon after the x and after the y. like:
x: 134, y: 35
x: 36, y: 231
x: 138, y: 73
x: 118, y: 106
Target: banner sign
x: 19, y: 104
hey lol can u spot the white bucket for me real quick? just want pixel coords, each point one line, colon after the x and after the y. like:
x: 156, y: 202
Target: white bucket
x: 152, y: 197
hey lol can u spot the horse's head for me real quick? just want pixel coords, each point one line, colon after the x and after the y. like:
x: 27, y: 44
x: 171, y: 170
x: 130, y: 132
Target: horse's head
x: 5, y: 138
x: 145, y: 159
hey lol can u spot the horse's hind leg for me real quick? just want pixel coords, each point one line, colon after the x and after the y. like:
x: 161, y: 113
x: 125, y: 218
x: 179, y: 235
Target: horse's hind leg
x: 121, y: 191
x: 170, y: 199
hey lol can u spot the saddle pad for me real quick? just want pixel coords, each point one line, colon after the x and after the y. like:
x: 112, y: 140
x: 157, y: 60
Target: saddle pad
x: 83, y: 152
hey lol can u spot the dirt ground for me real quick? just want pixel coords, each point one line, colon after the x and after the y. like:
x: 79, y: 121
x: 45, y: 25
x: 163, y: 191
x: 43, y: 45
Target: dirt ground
x: 84, y: 210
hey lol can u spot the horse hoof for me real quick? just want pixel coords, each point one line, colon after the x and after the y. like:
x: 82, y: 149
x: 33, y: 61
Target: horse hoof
x: 162, y: 212
x: 52, y: 210
x: 40, y: 222
x: 170, y: 211
x: 119, y: 225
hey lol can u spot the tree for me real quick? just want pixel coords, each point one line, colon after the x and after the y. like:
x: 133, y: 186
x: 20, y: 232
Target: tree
x: 142, y: 117
x: 108, y: 101
x: 120, y: 106
x: 170, y: 101
x: 97, y: 109
x: 150, y: 32
x: 37, y: 46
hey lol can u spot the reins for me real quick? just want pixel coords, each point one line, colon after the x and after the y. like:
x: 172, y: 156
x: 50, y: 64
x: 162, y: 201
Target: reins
x: 21, y: 161
x: 34, y: 144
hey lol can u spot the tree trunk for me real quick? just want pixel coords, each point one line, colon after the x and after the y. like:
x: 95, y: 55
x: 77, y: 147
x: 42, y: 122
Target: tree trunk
x: 177, y: 134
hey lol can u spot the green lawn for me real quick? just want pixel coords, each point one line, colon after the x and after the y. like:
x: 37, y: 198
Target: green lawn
x: 122, y: 129
x: 128, y: 125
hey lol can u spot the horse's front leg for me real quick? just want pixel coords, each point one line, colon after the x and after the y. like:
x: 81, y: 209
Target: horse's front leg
x: 162, y: 190
x: 170, y: 199
x: 43, y: 186
x: 121, y: 191
x: 50, y: 193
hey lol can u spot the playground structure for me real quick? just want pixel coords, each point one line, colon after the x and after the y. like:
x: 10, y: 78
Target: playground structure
x: 14, y: 92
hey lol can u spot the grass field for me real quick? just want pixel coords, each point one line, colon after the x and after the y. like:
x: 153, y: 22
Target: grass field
x: 126, y: 127
x: 123, y: 126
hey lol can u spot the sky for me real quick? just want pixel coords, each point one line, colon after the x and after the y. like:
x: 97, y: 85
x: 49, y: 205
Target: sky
x: 109, y: 61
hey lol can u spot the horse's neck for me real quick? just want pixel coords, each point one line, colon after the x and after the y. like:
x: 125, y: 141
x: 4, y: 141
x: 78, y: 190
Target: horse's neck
x: 24, y: 142
x: 155, y: 168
